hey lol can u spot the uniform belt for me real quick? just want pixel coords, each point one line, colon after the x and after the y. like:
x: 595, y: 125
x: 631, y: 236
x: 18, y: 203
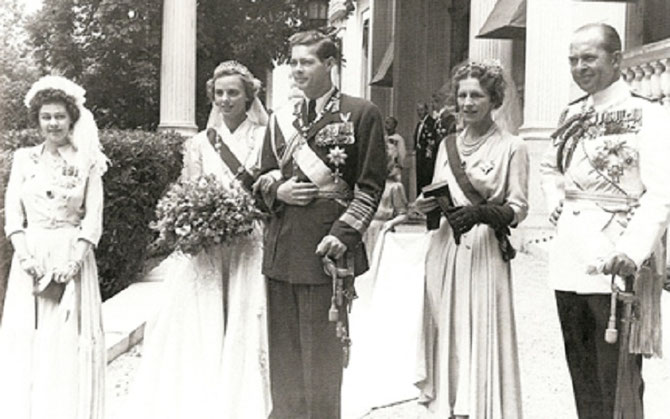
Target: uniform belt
x: 335, y: 194
x: 572, y: 195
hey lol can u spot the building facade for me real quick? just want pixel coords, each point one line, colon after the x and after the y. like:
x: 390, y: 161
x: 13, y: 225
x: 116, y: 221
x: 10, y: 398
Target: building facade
x: 400, y: 52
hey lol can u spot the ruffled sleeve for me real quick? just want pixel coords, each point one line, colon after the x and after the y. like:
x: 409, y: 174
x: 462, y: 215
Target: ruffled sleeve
x: 192, y: 157
x: 15, y: 215
x: 91, y: 223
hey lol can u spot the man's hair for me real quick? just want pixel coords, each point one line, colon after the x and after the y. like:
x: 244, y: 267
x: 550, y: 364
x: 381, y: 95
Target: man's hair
x: 326, y: 46
x: 392, y: 119
x: 611, y: 41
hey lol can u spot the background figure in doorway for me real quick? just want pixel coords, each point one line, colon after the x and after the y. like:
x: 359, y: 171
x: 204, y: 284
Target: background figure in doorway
x: 395, y: 141
x: 425, y: 145
x: 392, y: 208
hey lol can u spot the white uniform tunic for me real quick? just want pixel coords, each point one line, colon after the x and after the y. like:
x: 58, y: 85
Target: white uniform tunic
x: 620, y: 169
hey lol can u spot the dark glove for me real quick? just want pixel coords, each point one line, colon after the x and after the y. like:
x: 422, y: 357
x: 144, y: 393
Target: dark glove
x: 497, y: 216
x: 462, y: 219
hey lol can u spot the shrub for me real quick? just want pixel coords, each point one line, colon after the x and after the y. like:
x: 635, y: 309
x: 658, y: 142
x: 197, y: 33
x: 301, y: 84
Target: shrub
x: 143, y: 164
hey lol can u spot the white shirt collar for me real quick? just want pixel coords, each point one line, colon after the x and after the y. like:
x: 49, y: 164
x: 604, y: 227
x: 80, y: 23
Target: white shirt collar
x: 610, y: 96
x: 321, y: 101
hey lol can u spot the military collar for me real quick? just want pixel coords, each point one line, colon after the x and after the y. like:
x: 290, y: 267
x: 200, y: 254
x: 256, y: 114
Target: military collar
x: 612, y: 95
x: 330, y: 105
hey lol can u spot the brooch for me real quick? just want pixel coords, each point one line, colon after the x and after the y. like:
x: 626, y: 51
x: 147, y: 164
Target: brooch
x: 337, y: 157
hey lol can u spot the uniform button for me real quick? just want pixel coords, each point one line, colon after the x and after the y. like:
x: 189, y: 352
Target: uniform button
x: 576, y: 212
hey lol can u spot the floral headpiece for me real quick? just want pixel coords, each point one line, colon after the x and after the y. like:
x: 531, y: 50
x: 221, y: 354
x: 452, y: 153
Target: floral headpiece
x: 85, y: 131
x: 57, y: 83
x: 491, y: 66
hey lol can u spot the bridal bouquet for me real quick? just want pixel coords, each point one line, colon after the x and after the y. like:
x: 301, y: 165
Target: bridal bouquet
x: 196, y: 214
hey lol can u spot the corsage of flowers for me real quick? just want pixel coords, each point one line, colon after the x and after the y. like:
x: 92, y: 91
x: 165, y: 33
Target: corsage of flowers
x: 196, y: 214
x: 614, y: 155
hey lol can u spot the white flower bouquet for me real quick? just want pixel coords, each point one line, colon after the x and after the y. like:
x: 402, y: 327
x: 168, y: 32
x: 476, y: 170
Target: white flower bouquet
x: 196, y: 214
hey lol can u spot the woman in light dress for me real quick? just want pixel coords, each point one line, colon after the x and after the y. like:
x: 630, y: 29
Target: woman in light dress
x: 468, y: 365
x: 205, y: 351
x: 52, y: 349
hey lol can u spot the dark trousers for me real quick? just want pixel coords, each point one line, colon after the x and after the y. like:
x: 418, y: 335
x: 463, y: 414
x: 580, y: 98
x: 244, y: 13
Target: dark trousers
x: 591, y: 360
x: 305, y: 354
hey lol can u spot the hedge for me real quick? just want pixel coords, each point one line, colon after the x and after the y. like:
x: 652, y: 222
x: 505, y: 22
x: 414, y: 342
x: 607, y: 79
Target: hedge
x: 143, y: 164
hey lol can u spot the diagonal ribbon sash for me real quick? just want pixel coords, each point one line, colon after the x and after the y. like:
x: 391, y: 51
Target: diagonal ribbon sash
x: 228, y: 157
x: 307, y: 160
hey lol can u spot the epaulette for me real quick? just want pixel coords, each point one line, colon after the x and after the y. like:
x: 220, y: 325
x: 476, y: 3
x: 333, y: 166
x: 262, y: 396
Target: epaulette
x: 641, y: 96
x: 579, y: 99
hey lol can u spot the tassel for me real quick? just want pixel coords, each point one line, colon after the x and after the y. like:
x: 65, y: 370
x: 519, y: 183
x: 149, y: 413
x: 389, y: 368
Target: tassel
x: 645, y: 336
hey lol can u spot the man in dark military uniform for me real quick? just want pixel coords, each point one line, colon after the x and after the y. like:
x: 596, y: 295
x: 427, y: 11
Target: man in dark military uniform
x: 425, y: 145
x: 323, y: 169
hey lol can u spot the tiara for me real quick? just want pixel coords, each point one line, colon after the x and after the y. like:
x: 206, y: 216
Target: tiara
x: 68, y: 87
x: 233, y: 66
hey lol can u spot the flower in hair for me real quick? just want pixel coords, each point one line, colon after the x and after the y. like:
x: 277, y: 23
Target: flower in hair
x: 68, y: 87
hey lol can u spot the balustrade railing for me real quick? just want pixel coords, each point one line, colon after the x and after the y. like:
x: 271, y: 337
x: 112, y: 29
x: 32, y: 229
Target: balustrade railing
x: 647, y: 70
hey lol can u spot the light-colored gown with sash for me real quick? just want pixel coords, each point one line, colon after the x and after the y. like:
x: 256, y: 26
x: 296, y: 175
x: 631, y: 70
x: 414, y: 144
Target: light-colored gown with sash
x: 205, y: 350
x: 468, y: 358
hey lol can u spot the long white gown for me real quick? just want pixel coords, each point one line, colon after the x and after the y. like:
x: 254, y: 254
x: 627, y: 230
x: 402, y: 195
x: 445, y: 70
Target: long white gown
x: 205, y: 351
x: 468, y: 360
x: 52, y: 350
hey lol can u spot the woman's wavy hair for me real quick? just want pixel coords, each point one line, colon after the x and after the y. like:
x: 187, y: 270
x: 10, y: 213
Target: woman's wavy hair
x: 49, y: 96
x: 490, y: 76
x: 232, y: 68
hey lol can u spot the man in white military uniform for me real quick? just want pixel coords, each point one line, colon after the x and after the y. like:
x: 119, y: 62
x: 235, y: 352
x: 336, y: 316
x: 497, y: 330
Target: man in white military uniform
x: 605, y: 178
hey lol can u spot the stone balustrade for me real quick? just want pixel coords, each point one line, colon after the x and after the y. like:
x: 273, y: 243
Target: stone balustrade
x: 647, y: 70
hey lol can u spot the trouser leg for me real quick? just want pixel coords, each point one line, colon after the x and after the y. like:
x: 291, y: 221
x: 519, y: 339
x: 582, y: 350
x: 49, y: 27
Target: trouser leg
x: 608, y: 357
x: 286, y: 370
x: 321, y: 352
x: 578, y: 327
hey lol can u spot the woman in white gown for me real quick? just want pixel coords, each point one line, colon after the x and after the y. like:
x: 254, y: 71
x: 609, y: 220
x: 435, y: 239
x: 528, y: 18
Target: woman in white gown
x: 468, y: 366
x: 52, y: 348
x: 205, y: 351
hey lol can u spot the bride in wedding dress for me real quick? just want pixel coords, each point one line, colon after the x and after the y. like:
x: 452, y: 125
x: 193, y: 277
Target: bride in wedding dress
x: 205, y: 350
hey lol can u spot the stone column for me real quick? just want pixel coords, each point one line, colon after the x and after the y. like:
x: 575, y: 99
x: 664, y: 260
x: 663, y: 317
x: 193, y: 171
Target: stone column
x: 549, y: 85
x: 484, y: 49
x: 177, y: 110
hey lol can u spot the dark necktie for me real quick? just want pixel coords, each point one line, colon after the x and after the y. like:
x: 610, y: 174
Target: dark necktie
x: 311, y: 111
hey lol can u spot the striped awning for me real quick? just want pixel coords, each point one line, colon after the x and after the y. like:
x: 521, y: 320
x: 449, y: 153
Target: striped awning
x: 507, y: 20
x: 384, y: 75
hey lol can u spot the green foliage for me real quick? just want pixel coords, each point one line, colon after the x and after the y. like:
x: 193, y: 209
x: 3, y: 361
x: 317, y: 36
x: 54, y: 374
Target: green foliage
x: 112, y: 48
x: 143, y: 165
x: 17, y: 68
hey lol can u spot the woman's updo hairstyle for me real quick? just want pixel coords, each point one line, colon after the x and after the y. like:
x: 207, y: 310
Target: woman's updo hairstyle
x: 490, y: 76
x: 232, y: 68
x: 48, y: 96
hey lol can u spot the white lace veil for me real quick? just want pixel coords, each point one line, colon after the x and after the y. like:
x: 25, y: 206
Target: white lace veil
x: 509, y: 115
x: 84, y: 136
x: 256, y: 112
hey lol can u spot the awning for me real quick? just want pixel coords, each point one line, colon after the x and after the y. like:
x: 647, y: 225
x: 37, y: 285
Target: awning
x: 384, y: 75
x: 507, y: 20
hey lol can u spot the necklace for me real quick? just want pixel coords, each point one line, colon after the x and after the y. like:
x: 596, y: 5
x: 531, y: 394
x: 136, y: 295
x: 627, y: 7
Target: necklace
x: 470, y: 147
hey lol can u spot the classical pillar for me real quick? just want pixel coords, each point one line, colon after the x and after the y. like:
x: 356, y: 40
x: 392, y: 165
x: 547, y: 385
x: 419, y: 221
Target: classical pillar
x: 177, y: 110
x: 549, y: 85
x: 486, y: 49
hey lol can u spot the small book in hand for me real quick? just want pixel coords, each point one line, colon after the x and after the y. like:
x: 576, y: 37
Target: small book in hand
x: 441, y: 193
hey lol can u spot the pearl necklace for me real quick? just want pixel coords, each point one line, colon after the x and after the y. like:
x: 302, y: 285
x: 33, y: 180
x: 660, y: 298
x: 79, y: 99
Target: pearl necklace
x: 469, y: 148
